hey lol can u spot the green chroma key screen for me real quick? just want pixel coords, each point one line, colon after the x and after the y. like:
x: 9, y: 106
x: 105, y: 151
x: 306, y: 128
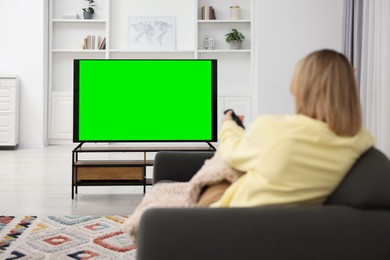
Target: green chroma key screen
x: 145, y: 100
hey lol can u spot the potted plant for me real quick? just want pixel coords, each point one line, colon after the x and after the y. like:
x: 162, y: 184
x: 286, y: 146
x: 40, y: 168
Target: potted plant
x: 89, y: 11
x: 235, y: 38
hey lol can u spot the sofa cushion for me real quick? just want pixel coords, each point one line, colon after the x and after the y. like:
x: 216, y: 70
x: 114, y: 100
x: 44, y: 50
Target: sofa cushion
x: 178, y: 165
x: 367, y: 185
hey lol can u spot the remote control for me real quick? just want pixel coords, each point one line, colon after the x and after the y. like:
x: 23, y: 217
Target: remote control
x: 235, y: 118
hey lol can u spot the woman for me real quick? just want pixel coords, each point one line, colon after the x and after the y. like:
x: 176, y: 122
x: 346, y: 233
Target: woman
x: 301, y: 158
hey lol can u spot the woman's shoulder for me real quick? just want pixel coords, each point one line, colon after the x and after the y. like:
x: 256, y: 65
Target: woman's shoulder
x: 286, y: 125
x: 292, y: 124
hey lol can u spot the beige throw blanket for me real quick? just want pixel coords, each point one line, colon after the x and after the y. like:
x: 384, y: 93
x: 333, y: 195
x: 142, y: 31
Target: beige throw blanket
x: 182, y: 194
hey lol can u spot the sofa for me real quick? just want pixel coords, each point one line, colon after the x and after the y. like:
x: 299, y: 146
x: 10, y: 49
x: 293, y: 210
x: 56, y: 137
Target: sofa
x: 354, y: 222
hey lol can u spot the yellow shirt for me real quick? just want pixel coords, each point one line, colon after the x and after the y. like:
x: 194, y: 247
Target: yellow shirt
x: 290, y: 159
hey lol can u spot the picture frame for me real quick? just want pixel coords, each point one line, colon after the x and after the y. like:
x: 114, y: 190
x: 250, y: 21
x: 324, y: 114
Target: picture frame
x: 148, y: 33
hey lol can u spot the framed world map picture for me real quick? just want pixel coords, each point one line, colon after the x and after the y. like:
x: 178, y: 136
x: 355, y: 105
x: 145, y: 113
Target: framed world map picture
x: 150, y: 33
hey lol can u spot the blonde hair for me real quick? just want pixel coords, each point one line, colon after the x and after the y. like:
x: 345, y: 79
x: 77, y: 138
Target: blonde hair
x: 324, y: 88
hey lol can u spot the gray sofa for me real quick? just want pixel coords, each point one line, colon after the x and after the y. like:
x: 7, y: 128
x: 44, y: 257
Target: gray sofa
x: 354, y: 223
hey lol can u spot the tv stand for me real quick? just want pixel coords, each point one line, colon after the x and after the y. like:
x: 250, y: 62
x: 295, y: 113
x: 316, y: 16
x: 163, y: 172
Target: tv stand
x: 106, y: 172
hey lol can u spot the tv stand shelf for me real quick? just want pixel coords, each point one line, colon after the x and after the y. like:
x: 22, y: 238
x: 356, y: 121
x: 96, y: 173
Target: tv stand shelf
x: 107, y: 172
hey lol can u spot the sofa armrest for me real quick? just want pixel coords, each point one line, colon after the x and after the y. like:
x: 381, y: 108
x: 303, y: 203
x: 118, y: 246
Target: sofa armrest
x: 178, y: 166
x: 330, y: 232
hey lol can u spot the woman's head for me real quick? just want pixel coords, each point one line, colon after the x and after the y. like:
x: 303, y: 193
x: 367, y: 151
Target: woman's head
x: 324, y: 88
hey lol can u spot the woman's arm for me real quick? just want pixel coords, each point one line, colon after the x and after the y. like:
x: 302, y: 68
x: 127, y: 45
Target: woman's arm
x: 234, y: 148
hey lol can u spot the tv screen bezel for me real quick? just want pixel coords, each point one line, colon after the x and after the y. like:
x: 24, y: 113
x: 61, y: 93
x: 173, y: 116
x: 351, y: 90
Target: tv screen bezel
x: 76, y: 102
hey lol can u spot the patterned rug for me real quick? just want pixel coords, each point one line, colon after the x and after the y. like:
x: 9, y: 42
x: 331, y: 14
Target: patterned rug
x: 64, y: 237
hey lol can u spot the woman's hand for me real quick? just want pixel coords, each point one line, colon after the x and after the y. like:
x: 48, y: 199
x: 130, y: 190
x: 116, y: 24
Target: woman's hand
x: 228, y: 116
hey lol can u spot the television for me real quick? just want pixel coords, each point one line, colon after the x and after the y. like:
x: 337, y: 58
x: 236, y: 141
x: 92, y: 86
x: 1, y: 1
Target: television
x: 145, y: 100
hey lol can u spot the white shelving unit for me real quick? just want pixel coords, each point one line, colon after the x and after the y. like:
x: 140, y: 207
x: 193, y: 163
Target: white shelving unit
x: 235, y: 67
x: 235, y: 71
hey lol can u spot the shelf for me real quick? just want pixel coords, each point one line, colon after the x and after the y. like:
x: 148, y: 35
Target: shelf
x: 153, y: 51
x: 224, y: 51
x: 78, y: 21
x: 148, y: 182
x: 78, y: 51
x: 224, y: 21
x: 119, y: 163
x: 123, y: 51
x: 142, y: 149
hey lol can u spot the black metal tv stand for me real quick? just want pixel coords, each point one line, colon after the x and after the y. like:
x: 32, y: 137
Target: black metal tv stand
x: 106, y: 172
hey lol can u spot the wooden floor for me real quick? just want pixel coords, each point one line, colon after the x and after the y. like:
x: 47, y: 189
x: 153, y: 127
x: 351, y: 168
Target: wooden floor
x: 38, y: 182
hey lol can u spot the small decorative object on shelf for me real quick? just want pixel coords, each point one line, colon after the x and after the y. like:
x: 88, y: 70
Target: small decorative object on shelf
x: 208, y: 43
x: 89, y: 11
x: 235, y: 12
x: 235, y: 38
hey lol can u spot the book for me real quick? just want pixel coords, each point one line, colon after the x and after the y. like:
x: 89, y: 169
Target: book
x: 88, y: 42
x: 211, y: 13
x: 94, y: 42
x: 205, y: 12
x: 89, y: 38
x: 102, y: 44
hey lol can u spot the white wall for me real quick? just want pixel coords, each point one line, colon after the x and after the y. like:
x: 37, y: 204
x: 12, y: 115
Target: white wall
x: 22, y: 53
x: 285, y: 32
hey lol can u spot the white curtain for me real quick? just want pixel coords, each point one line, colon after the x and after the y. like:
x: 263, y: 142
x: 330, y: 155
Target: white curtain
x: 375, y: 71
x: 352, y: 33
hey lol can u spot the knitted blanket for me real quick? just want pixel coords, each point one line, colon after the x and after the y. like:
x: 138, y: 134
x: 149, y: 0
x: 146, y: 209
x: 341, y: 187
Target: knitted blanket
x: 182, y: 194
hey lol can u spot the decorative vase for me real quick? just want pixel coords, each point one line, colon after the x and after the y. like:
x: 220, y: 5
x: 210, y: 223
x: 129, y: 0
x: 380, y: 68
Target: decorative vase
x: 235, y: 45
x: 235, y: 13
x: 87, y: 15
x: 208, y: 43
